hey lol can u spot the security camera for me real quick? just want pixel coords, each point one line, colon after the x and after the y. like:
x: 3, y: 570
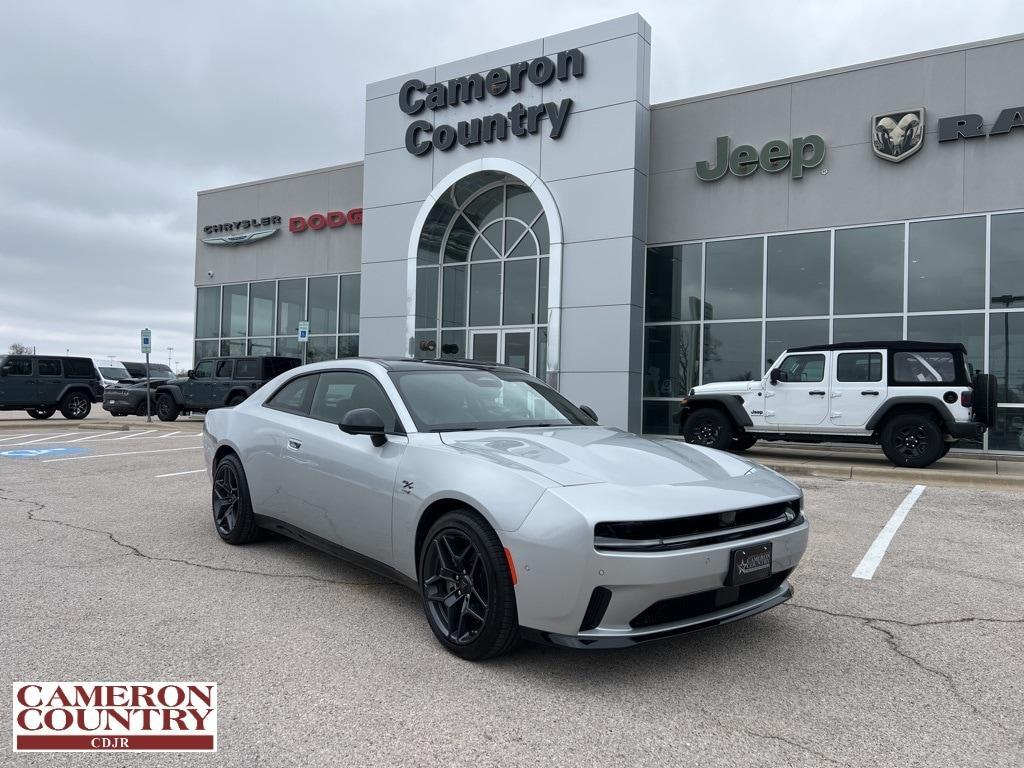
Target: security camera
x: 209, y: 273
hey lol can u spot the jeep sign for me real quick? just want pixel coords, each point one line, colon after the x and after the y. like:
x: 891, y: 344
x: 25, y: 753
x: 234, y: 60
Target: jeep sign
x: 798, y: 154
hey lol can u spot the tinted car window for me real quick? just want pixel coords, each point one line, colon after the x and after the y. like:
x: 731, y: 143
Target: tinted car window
x: 247, y: 369
x: 807, y: 368
x: 339, y: 392
x: 49, y: 367
x: 859, y: 366
x: 924, y: 368
x: 278, y: 365
x: 225, y: 368
x: 294, y: 396
x: 204, y: 370
x: 79, y: 368
x: 18, y: 366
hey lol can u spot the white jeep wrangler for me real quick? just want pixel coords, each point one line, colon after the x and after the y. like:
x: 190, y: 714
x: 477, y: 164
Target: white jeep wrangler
x: 914, y: 398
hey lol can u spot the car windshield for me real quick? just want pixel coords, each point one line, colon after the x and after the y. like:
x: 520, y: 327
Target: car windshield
x: 114, y: 372
x: 462, y: 399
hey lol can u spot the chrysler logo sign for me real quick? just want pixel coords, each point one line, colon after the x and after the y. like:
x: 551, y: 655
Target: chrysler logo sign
x: 895, y: 136
x: 250, y: 230
x: 239, y: 239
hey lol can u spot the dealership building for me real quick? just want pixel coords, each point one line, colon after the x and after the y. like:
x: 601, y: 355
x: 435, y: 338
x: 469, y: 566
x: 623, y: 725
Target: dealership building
x: 531, y: 206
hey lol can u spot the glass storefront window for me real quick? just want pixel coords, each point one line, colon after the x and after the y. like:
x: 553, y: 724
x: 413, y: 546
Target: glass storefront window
x: 453, y: 345
x: 453, y: 302
x: 261, y: 308
x: 426, y: 297
x: 235, y: 308
x: 673, y: 283
x: 520, y: 292
x: 348, y: 321
x: 657, y: 417
x: 323, y: 305
x: 291, y: 305
x: 733, y: 279
x: 732, y: 352
x: 289, y: 346
x: 261, y: 347
x: 320, y: 348
x: 781, y: 335
x: 969, y: 329
x: 671, y: 354
x: 484, y: 289
x: 348, y: 346
x: 869, y: 270
x: 947, y: 265
x: 232, y: 348
x: 1007, y: 254
x: 798, y: 274
x: 542, y: 292
x: 207, y: 349
x: 867, y: 329
x: 1007, y: 434
x: 208, y: 312
x: 1006, y: 354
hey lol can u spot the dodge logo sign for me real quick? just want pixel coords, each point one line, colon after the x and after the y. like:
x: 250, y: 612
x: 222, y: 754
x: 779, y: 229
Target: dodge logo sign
x: 895, y: 136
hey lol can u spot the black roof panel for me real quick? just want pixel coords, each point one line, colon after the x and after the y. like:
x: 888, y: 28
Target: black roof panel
x: 921, y: 346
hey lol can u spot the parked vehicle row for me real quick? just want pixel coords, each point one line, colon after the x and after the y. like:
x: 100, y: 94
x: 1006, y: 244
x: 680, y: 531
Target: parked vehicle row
x: 42, y: 384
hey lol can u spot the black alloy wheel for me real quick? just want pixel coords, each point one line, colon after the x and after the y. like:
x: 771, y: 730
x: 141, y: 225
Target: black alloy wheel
x: 232, y: 509
x: 912, y: 440
x: 166, y: 408
x: 236, y: 400
x: 708, y: 427
x: 456, y: 586
x: 467, y: 587
x: 75, y: 406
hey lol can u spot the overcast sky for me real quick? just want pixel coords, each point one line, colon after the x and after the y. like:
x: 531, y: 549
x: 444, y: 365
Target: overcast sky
x: 113, y: 115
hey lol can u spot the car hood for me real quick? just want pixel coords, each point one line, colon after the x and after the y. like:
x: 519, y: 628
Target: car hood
x: 727, y: 387
x: 589, y: 455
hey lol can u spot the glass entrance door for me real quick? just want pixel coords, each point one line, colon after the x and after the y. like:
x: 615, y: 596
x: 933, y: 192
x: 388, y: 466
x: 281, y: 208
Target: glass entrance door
x: 514, y: 347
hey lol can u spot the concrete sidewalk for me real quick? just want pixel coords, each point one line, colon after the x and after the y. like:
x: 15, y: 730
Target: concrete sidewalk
x: 867, y: 463
x: 16, y: 421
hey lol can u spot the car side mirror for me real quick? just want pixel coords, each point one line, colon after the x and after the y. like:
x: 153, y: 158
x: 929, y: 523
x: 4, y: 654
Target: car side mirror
x: 778, y: 375
x: 364, y: 421
x: 589, y: 411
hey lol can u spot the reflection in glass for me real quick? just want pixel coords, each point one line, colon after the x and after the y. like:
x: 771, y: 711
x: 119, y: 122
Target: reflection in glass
x: 208, y: 312
x: 453, y: 302
x: 485, y: 346
x: 520, y: 292
x: 732, y: 352
x: 323, y: 305
x: 291, y: 305
x: 1006, y: 354
x: 1007, y: 434
x: 781, y: 335
x: 1007, y: 254
x: 657, y: 418
x: 207, y: 349
x: 484, y: 290
x: 456, y: 249
x: 968, y: 329
x: 522, y: 203
x: 261, y: 347
x: 320, y: 348
x: 289, y: 346
x: 235, y: 308
x: 542, y: 292
x: 453, y: 345
x: 348, y: 346
x: 232, y: 348
x: 869, y: 270
x: 426, y: 298
x: 798, y: 274
x: 348, y: 322
x: 867, y: 329
x: 673, y: 283
x: 517, y: 350
x: 947, y: 265
x: 671, y: 355
x: 261, y: 308
x: 733, y: 286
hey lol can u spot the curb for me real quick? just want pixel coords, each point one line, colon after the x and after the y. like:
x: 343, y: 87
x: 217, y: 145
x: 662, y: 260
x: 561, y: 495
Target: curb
x: 894, y: 475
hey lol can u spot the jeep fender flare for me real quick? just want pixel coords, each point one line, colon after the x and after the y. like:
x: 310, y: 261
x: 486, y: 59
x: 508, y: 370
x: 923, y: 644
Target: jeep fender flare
x: 83, y: 388
x: 174, y: 391
x: 932, y: 402
x: 732, y: 404
x: 237, y: 391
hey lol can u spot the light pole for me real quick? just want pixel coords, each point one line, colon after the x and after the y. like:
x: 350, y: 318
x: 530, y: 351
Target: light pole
x: 170, y: 351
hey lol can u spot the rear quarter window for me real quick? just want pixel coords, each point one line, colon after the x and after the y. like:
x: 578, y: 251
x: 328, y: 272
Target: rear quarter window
x: 247, y: 369
x: 924, y: 368
x: 79, y: 368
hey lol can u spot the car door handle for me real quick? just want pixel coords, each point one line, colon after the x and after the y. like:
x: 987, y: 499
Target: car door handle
x: 817, y: 392
x: 293, y: 444
x: 870, y: 392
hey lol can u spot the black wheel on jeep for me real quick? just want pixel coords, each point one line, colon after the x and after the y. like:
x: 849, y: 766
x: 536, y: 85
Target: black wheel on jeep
x: 166, y: 408
x: 742, y: 443
x: 709, y: 427
x: 945, y: 448
x: 984, y: 398
x: 41, y: 413
x: 912, y: 440
x: 75, y: 406
x: 235, y: 400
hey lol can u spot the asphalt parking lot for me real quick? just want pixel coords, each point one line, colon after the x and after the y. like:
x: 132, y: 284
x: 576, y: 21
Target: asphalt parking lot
x: 112, y: 571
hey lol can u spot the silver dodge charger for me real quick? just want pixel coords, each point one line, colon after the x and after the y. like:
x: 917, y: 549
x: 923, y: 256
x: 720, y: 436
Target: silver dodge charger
x: 510, y: 510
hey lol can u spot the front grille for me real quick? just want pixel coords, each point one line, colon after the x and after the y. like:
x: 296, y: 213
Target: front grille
x: 697, y: 530
x: 676, y: 609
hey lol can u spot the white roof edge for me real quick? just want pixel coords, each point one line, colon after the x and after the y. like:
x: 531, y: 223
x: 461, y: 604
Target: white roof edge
x: 841, y: 70
x: 295, y: 175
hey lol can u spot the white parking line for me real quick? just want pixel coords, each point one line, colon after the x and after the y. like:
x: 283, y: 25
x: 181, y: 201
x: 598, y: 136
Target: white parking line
x: 167, y: 435
x: 175, y: 474
x: 876, y: 552
x: 48, y: 437
x: 124, y: 453
x: 18, y: 437
x: 90, y: 437
x: 136, y: 434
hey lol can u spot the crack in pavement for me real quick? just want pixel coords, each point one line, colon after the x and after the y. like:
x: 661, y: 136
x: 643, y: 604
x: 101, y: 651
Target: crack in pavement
x: 798, y: 745
x: 873, y: 623
x: 131, y: 549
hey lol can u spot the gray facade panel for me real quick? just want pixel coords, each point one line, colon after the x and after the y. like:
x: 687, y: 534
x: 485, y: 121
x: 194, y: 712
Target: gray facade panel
x: 595, y: 273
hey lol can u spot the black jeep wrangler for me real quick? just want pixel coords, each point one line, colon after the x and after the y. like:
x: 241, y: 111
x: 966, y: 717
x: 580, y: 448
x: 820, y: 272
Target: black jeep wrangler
x: 218, y: 382
x: 40, y: 385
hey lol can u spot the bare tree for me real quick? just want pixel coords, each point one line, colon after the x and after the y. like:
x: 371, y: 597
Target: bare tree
x: 19, y: 349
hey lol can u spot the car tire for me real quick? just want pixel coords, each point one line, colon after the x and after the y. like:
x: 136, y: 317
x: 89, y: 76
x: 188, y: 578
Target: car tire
x: 236, y: 400
x: 742, y: 442
x: 466, y: 587
x: 41, y: 413
x: 709, y: 427
x: 233, y: 518
x: 166, y: 408
x: 945, y: 448
x: 141, y: 410
x: 912, y: 440
x: 75, y: 406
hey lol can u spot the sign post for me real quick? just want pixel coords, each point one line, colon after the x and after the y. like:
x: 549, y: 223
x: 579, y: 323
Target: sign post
x: 303, y: 337
x: 147, y: 347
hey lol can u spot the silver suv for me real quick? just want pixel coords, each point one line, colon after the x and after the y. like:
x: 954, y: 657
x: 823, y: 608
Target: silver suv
x: 914, y: 398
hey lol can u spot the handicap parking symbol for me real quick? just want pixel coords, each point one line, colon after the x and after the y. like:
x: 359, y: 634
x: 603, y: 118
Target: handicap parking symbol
x: 37, y: 453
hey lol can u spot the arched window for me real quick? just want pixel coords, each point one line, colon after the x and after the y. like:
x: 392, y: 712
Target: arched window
x: 482, y: 274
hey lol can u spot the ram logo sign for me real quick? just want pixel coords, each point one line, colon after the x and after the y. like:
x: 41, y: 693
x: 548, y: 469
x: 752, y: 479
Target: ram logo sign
x: 895, y: 136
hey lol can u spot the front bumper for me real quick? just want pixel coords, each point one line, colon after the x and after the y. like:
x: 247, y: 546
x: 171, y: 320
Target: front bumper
x: 593, y: 641
x: 652, y: 594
